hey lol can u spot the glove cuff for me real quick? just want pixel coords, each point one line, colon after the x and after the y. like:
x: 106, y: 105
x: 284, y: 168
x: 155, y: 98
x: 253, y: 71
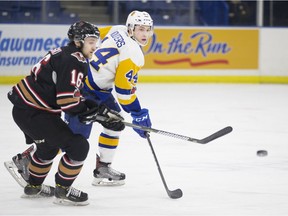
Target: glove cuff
x: 139, y: 113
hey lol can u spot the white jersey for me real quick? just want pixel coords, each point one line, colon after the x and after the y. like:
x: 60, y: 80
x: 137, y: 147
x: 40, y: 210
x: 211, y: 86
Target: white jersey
x: 117, y: 62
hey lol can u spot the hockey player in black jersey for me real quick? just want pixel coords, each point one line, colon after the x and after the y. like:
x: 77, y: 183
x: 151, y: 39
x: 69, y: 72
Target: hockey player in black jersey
x: 53, y: 86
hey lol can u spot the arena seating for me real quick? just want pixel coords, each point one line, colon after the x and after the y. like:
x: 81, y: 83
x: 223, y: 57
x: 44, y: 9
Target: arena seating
x: 34, y: 12
x: 164, y: 12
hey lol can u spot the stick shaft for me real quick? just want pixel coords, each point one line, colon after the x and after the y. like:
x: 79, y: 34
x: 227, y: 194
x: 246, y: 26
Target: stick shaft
x: 205, y: 140
x: 174, y: 194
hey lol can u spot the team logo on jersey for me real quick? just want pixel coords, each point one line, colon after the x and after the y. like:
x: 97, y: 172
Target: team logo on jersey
x: 79, y: 56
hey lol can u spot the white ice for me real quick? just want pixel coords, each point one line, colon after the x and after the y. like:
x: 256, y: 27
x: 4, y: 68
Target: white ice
x: 224, y: 177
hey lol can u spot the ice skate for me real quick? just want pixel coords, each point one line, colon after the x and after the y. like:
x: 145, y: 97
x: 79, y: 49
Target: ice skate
x: 18, y: 167
x: 104, y: 175
x: 70, y: 196
x: 38, y: 191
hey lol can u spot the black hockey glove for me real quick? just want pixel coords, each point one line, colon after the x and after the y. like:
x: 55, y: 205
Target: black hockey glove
x: 108, y: 118
x: 91, y: 103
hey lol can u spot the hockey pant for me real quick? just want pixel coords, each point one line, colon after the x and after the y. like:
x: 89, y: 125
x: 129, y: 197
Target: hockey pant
x: 50, y: 133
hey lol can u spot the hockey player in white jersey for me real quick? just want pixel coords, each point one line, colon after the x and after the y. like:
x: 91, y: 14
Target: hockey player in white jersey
x: 115, y: 64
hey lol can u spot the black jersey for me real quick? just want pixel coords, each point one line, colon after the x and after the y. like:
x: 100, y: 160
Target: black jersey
x: 54, y: 83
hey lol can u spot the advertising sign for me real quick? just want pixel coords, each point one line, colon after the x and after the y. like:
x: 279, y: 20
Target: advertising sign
x: 196, y: 48
x: 21, y: 46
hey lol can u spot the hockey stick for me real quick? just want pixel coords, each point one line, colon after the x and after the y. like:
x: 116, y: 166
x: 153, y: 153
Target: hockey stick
x: 205, y: 140
x: 174, y: 194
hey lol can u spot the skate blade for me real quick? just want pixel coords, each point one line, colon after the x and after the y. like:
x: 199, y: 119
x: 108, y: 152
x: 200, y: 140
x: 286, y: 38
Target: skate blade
x: 13, y: 170
x: 107, y: 182
x: 66, y: 202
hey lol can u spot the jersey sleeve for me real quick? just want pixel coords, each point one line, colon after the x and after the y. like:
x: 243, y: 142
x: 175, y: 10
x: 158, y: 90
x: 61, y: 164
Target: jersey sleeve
x: 126, y: 79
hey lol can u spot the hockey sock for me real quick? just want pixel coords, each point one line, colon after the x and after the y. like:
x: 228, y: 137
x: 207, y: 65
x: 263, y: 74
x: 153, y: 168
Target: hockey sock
x: 38, y: 170
x: 68, y: 171
x: 108, y: 143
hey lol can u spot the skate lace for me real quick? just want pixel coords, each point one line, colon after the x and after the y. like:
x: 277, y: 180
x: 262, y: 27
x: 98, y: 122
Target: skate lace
x: 45, y: 189
x: 74, y: 192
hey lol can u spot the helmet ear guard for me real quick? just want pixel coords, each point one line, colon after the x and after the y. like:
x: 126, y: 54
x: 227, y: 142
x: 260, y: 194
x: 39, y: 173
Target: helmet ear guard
x: 81, y: 30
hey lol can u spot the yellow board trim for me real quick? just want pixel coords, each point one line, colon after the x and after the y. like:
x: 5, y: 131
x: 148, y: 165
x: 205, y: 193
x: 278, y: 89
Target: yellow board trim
x: 186, y: 79
x: 214, y: 79
x: 10, y: 79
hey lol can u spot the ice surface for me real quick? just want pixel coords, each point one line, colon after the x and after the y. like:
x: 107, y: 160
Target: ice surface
x: 224, y: 177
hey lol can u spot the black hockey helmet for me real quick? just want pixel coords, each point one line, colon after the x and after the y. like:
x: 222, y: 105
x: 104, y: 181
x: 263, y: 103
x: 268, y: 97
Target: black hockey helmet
x: 81, y: 29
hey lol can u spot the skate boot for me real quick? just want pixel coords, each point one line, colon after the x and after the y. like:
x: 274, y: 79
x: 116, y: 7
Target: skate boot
x: 70, y: 196
x: 18, y: 167
x: 22, y: 160
x: 38, y: 191
x: 105, y: 175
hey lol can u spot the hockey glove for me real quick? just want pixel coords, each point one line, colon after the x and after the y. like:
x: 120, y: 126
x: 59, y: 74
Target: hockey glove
x: 141, y: 118
x: 91, y: 103
x: 108, y: 118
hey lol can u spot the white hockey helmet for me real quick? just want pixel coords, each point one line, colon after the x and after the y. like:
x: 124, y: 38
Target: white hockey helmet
x: 139, y: 18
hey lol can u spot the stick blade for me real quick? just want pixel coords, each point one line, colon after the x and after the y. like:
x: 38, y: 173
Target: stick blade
x: 175, y: 194
x: 216, y: 135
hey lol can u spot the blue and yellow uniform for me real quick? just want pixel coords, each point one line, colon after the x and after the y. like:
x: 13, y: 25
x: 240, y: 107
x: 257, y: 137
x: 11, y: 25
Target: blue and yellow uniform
x: 114, y: 65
